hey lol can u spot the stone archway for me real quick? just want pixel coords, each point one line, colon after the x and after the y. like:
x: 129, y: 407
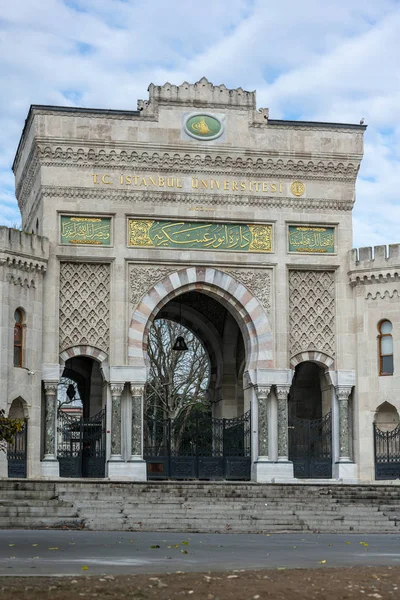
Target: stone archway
x: 245, y: 308
x: 240, y: 304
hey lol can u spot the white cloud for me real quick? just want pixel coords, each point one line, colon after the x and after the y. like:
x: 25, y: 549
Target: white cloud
x: 313, y: 60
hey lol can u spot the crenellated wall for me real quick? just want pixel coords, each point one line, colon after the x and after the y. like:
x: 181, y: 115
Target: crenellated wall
x: 374, y: 276
x: 23, y: 264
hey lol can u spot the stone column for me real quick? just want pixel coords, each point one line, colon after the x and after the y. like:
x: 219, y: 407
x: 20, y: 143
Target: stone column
x: 343, y: 394
x: 282, y: 392
x: 50, y: 466
x: 262, y: 397
x: 137, y: 422
x: 116, y: 393
x: 137, y: 466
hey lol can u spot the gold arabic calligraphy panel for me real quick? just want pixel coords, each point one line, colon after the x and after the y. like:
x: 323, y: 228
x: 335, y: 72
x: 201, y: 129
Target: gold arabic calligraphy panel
x: 95, y: 231
x: 311, y: 239
x: 199, y: 236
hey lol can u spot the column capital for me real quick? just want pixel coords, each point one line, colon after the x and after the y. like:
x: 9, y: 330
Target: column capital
x: 343, y: 392
x: 262, y: 391
x: 136, y: 389
x: 50, y: 388
x: 282, y: 391
x: 117, y: 389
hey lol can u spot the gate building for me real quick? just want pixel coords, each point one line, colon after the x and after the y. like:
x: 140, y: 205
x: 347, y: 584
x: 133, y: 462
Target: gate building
x: 198, y: 208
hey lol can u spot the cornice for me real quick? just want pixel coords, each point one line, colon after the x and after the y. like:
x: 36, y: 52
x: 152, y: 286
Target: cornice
x: 377, y: 276
x: 203, y: 199
x: 22, y: 262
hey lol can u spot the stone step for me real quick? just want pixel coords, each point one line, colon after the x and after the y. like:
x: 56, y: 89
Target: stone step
x: 38, y: 511
x: 33, y: 502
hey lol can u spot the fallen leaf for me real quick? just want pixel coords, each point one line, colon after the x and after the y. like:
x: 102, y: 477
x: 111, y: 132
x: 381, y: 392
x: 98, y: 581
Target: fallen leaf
x: 35, y: 544
x: 294, y: 546
x: 185, y: 543
x: 84, y: 568
x: 348, y: 543
x: 55, y: 548
x: 176, y: 545
x: 169, y: 546
x: 322, y: 562
x: 184, y: 551
x: 11, y: 545
x: 155, y: 546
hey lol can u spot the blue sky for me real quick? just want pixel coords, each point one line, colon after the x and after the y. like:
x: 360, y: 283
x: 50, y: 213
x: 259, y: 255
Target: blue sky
x: 308, y: 59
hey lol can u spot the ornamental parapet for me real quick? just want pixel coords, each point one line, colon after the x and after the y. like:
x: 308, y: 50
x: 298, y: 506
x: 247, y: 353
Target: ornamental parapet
x: 23, y: 251
x: 378, y: 264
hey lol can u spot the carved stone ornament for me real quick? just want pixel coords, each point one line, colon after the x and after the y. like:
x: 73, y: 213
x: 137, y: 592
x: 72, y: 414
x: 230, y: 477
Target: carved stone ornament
x: 136, y: 390
x: 142, y: 278
x: 84, y: 305
x: 116, y: 389
x: 50, y: 388
x: 262, y: 392
x: 258, y: 282
x: 282, y: 392
x: 312, y: 311
x: 343, y: 393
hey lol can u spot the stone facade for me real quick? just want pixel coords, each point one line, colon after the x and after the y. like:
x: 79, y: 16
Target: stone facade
x: 90, y: 284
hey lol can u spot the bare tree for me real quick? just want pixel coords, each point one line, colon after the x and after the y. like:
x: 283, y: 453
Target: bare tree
x: 177, y: 380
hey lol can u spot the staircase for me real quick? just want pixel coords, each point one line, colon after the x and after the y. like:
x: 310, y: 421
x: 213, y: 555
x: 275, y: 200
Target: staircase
x: 200, y: 507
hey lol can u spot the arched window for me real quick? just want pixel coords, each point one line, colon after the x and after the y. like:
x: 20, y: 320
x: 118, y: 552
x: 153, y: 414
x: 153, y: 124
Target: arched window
x: 385, y: 348
x: 18, y: 337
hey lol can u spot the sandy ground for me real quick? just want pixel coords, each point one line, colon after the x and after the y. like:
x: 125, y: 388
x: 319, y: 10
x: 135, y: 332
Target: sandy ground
x: 323, y: 583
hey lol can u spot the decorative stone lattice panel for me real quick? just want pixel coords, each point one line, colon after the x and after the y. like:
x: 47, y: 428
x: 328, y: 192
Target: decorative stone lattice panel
x: 84, y: 305
x: 312, y: 311
x: 257, y: 282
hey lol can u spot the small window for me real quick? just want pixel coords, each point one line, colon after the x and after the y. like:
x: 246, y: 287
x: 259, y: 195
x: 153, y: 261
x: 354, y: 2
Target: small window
x: 18, y: 337
x: 386, y: 366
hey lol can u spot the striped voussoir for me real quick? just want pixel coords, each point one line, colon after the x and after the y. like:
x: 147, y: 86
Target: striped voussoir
x: 245, y: 307
x: 313, y: 356
x: 83, y: 350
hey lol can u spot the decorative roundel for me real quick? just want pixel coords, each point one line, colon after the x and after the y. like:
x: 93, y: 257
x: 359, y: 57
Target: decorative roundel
x: 203, y: 126
x: 297, y: 188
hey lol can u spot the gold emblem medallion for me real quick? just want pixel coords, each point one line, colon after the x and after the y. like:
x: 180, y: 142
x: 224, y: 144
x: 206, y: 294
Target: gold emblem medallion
x: 297, y: 188
x: 203, y: 126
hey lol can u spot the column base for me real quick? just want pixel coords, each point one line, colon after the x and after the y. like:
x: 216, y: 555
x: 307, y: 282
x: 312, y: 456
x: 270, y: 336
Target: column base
x: 269, y: 472
x: 132, y: 470
x: 346, y: 471
x: 50, y: 468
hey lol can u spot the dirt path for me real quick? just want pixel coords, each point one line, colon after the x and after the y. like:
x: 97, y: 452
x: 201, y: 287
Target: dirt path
x: 288, y: 584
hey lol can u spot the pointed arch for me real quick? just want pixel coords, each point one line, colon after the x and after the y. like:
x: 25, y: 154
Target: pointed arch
x: 237, y: 299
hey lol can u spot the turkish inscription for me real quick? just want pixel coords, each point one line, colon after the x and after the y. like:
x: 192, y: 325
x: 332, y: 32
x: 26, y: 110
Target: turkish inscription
x: 200, y: 236
x: 188, y: 184
x: 311, y: 239
x: 86, y: 230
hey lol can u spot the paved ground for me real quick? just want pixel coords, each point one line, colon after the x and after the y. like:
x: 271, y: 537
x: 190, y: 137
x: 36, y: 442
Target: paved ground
x: 50, y: 552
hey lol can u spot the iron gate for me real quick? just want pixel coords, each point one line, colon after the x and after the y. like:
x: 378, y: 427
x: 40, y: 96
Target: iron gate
x: 387, y: 453
x: 310, y: 447
x: 16, y: 453
x: 81, y: 449
x: 201, y: 447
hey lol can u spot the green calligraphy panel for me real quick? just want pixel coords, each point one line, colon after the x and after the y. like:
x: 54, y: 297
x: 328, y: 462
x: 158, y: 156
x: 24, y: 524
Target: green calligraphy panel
x: 95, y: 231
x: 200, y: 236
x: 320, y: 240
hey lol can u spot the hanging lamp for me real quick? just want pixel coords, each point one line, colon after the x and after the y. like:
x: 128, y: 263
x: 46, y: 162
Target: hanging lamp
x: 180, y: 344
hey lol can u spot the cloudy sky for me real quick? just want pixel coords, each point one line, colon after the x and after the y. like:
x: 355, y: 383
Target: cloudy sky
x: 308, y: 59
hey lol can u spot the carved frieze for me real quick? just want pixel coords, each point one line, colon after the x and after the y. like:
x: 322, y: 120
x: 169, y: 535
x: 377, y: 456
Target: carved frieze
x: 142, y: 278
x: 257, y: 281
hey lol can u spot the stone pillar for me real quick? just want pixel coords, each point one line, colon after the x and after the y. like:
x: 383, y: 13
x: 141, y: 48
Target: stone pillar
x: 116, y: 393
x: 50, y: 466
x: 344, y: 468
x: 263, y: 438
x: 343, y: 394
x: 282, y: 392
x: 138, y: 467
x: 137, y: 422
